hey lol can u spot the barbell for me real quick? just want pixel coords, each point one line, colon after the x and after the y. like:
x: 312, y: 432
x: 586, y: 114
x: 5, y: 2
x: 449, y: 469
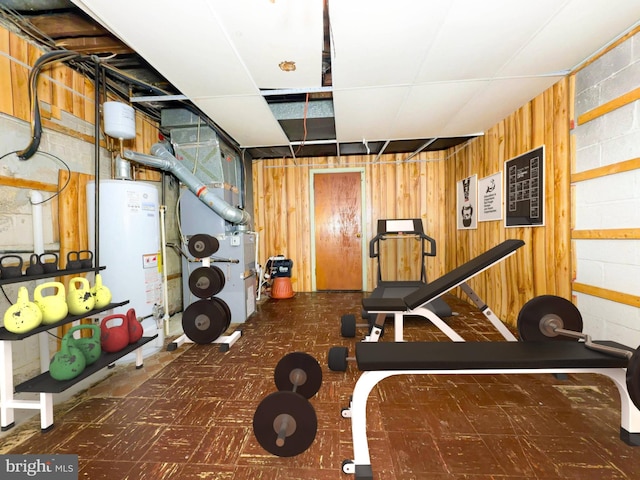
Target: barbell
x: 285, y: 422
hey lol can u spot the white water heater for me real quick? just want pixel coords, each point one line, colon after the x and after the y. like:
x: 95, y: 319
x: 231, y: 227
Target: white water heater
x: 129, y: 242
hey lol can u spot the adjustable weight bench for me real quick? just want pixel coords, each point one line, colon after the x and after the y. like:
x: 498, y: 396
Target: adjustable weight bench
x: 415, y: 302
x: 381, y: 360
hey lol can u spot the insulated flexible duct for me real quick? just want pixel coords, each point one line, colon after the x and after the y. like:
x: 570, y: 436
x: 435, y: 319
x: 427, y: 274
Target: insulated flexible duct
x: 163, y: 159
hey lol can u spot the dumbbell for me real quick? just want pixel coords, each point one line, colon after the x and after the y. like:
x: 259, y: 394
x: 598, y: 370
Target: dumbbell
x: 348, y: 325
x: 338, y: 359
x: 548, y: 317
x: 285, y: 422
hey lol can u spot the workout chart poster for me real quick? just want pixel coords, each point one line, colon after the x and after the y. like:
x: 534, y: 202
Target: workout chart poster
x: 524, y: 192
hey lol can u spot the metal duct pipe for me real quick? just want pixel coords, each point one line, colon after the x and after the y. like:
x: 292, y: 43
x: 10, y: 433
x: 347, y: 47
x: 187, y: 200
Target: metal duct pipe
x: 163, y: 159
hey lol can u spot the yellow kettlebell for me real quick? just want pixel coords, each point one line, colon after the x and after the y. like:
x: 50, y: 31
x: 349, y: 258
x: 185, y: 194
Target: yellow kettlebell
x: 101, y: 294
x: 53, y: 307
x: 24, y: 315
x: 79, y: 299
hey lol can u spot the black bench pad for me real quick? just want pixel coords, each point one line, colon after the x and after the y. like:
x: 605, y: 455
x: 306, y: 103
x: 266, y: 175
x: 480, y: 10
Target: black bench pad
x: 483, y: 355
x: 449, y: 280
x: 382, y: 304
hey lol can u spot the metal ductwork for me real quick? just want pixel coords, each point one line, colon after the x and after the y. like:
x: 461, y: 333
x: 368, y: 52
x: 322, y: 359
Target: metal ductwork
x: 162, y: 159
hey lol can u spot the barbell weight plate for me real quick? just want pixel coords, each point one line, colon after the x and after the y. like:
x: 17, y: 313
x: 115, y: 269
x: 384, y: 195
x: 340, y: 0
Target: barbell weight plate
x: 295, y: 361
x: 202, y: 245
x: 633, y: 378
x: 205, y: 282
x: 337, y: 359
x: 204, y: 321
x: 348, y: 325
x: 538, y: 313
x: 225, y: 308
x: 302, y: 423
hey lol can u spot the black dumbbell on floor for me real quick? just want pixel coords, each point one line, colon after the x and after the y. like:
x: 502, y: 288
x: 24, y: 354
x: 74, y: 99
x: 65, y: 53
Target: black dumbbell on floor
x: 285, y: 422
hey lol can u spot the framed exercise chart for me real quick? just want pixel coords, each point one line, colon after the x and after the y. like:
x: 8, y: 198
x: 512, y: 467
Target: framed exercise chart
x: 524, y: 192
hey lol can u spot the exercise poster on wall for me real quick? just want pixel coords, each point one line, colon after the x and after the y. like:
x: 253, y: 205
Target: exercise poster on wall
x: 466, y: 203
x: 490, y: 198
x: 524, y: 192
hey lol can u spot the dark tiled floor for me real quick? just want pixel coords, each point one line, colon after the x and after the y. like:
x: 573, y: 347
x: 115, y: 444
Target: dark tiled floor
x: 188, y: 414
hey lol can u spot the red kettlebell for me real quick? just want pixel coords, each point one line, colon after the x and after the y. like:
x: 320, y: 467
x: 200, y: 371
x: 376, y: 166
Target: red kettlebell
x: 134, y: 326
x: 114, y: 336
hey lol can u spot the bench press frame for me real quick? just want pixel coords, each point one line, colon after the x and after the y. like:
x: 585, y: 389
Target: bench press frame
x: 361, y: 465
x: 415, y: 303
x: 382, y: 360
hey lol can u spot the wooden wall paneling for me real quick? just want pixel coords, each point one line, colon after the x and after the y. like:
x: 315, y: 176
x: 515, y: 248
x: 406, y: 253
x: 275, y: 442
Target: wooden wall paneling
x: 72, y: 224
x: 293, y: 193
x: 19, y: 77
x: 89, y: 104
x: 78, y: 83
x: 6, y: 92
x: 562, y: 182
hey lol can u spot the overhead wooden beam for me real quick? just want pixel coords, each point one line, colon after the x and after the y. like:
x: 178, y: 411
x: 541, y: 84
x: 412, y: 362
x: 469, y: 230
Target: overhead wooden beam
x: 60, y: 25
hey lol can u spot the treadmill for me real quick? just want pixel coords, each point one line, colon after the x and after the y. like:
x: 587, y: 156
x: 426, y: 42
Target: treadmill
x: 394, y: 229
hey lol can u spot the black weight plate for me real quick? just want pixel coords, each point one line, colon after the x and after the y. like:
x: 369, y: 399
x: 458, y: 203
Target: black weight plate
x: 337, y: 359
x: 305, y: 362
x: 633, y: 378
x: 225, y: 308
x: 267, y: 421
x: 202, y: 245
x: 204, y: 321
x: 205, y: 282
x: 534, y: 313
x: 348, y: 325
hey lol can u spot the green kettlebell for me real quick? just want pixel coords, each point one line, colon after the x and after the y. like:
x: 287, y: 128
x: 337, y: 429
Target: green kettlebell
x: 101, y: 294
x: 79, y: 299
x: 89, y: 346
x: 24, y: 315
x: 68, y: 362
x: 53, y: 307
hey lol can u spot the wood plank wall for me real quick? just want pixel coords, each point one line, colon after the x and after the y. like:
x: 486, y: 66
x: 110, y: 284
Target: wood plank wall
x: 425, y: 187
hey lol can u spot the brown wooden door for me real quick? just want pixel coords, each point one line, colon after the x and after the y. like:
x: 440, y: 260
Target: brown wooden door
x: 338, y: 230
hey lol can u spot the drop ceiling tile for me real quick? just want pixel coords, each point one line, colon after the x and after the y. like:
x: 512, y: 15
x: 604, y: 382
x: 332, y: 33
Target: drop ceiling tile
x: 427, y: 107
x: 577, y: 32
x: 380, y: 42
x: 493, y: 103
x: 247, y: 119
x: 366, y: 113
x: 273, y: 32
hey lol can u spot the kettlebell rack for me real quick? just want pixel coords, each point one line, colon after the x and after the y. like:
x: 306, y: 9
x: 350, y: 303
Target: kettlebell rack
x: 44, y: 384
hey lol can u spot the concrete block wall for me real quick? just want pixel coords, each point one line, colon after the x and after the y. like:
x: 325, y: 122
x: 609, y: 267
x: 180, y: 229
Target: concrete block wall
x: 612, y: 201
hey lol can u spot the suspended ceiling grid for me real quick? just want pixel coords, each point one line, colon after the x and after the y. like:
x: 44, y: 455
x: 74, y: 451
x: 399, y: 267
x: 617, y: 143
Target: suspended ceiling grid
x: 408, y: 70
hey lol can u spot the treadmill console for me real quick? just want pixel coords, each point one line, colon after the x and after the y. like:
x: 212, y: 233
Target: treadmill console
x: 403, y: 226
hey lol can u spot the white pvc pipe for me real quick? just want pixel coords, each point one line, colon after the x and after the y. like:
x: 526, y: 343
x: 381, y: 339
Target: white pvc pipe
x: 165, y: 288
x: 38, y: 247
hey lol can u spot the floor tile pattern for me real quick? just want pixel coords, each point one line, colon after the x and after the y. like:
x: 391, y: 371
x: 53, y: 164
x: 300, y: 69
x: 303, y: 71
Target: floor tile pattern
x: 188, y: 413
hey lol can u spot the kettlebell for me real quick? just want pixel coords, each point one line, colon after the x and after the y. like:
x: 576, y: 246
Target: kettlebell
x: 134, y: 326
x: 89, y: 346
x: 80, y: 300
x: 71, y: 263
x: 35, y: 266
x: 68, y: 362
x: 101, y: 294
x: 53, y: 307
x: 24, y: 315
x: 49, y: 267
x: 85, y: 262
x: 10, y: 271
x: 114, y: 338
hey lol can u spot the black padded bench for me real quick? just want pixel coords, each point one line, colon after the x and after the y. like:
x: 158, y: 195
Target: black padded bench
x: 415, y: 302
x: 378, y: 361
